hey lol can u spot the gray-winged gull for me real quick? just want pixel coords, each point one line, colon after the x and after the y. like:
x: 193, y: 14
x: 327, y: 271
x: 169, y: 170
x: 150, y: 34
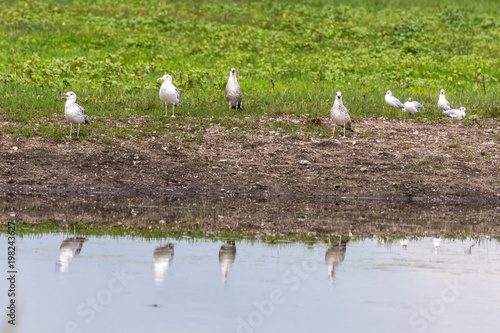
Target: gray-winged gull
x: 339, y: 114
x: 169, y: 94
x: 413, y: 107
x: 74, y: 113
x: 393, y: 101
x: 443, y: 104
x: 454, y: 113
x: 233, y: 91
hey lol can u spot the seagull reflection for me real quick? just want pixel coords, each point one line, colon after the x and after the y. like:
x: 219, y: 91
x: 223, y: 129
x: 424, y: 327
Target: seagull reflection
x: 70, y: 247
x: 333, y: 257
x: 437, y: 243
x: 227, y: 255
x: 404, y: 243
x: 162, y: 257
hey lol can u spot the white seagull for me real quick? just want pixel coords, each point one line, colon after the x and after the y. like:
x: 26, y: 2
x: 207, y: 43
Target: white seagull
x: 454, y: 113
x: 393, y: 101
x: 443, y: 104
x: 74, y: 113
x: 169, y: 94
x: 413, y: 107
x: 339, y: 114
x: 233, y: 91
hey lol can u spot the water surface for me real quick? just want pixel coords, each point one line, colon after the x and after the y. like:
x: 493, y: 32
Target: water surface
x: 123, y: 284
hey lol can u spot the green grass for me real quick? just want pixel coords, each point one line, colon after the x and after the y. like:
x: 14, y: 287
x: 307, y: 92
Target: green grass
x: 111, y: 52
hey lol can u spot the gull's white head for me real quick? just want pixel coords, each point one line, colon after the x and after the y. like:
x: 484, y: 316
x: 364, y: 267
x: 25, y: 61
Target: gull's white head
x: 70, y: 96
x: 232, y: 72
x: 410, y: 100
x: 388, y: 92
x: 462, y: 109
x: 442, y: 92
x: 339, y: 95
x: 165, y: 78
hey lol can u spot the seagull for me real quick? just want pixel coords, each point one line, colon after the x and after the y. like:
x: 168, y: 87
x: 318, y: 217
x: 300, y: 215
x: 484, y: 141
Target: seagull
x: 413, y: 107
x: 74, y: 113
x: 393, y: 101
x: 443, y: 104
x: 339, y: 114
x: 233, y: 91
x: 169, y: 94
x: 454, y: 113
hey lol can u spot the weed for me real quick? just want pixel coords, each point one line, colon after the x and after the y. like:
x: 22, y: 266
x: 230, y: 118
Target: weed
x: 487, y: 154
x: 455, y: 144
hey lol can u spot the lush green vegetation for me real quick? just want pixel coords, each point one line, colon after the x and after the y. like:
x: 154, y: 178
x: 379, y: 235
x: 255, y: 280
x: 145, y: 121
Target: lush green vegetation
x: 110, y: 53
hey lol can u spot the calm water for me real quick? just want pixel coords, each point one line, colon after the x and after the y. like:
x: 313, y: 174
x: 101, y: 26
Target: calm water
x: 133, y: 285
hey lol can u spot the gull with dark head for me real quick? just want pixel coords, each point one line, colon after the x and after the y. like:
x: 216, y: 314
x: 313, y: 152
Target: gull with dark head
x: 74, y: 113
x: 339, y: 114
x: 443, y: 103
x: 393, y: 101
x: 233, y: 91
x: 413, y: 107
x: 454, y: 113
x: 169, y: 94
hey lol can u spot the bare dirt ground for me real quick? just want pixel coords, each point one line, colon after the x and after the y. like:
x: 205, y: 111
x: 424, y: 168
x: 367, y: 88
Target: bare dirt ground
x: 416, y: 178
x: 400, y: 159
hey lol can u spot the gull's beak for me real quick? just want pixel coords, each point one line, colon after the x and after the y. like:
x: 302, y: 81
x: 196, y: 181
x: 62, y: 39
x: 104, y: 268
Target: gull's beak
x: 64, y: 96
x: 160, y: 79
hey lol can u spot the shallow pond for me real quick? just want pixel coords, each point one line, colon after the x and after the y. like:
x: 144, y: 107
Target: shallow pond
x: 123, y: 284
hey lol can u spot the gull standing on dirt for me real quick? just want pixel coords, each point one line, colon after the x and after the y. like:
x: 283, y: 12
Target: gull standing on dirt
x: 233, y: 91
x: 169, y: 94
x: 74, y: 113
x: 454, y: 113
x: 443, y: 104
x: 339, y: 114
x: 413, y: 107
x: 393, y: 101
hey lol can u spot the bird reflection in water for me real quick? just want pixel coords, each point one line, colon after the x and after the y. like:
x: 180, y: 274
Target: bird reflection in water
x: 227, y: 255
x: 437, y: 243
x: 333, y: 257
x: 404, y: 243
x: 70, y: 248
x: 162, y: 257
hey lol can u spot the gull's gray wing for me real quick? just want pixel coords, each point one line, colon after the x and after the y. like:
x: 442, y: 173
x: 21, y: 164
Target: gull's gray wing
x: 397, y: 102
x: 177, y: 93
x: 82, y: 111
x: 418, y: 106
